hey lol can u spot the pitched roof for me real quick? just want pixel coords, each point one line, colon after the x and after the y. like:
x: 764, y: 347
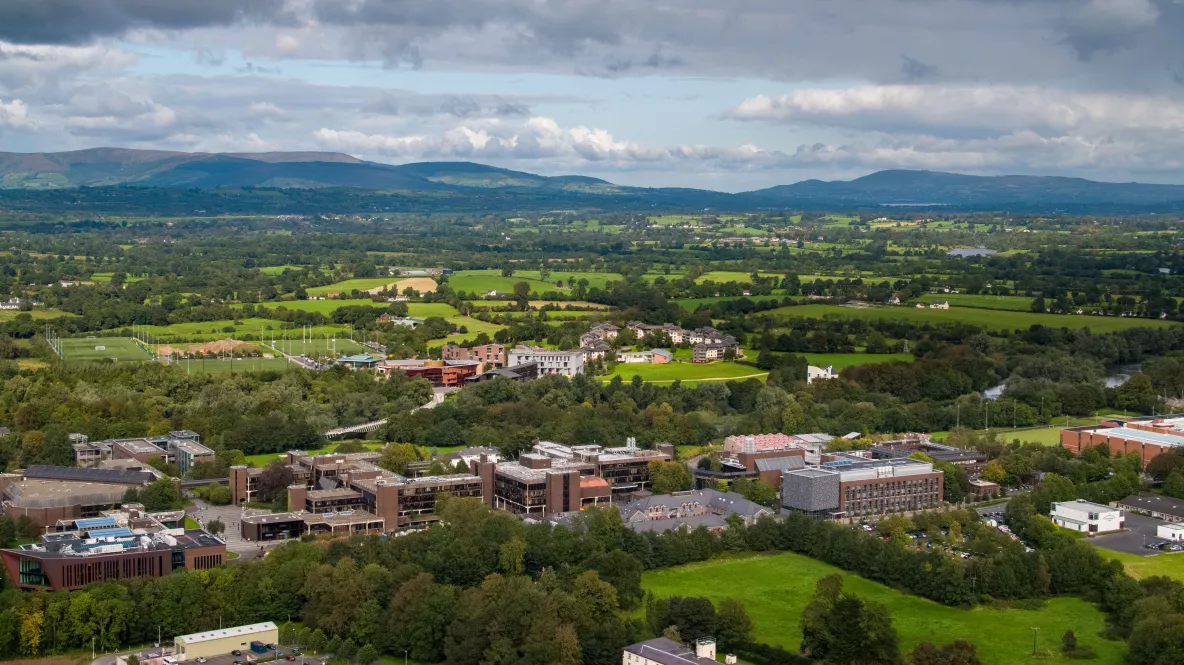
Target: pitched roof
x: 667, y: 652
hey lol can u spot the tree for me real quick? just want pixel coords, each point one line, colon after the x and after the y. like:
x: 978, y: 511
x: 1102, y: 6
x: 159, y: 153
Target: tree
x: 814, y: 629
x: 1174, y: 485
x: 669, y: 477
x: 133, y: 659
x: 959, y: 652
x: 218, y: 495
x: 733, y: 625
x: 27, y: 529
x: 994, y: 472
x: 215, y: 526
x: 274, y: 481
x: 366, y: 655
x: 860, y: 632
x: 1164, y: 464
x: 512, y: 555
x: 7, y: 531
x: 160, y: 495
x: 521, y: 291
x: 694, y: 617
x: 317, y: 641
x: 333, y: 646
x: 1068, y: 641
x: 396, y: 456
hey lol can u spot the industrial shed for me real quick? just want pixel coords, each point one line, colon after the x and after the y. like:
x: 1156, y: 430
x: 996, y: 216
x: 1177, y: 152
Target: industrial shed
x: 223, y: 641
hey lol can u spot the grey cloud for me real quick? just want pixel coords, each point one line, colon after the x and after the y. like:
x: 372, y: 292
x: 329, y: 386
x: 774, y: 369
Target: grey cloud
x: 915, y: 70
x: 459, y: 106
x: 80, y: 21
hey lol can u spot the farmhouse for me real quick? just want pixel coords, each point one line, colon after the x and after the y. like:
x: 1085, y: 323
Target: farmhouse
x: 939, y: 304
x: 820, y: 373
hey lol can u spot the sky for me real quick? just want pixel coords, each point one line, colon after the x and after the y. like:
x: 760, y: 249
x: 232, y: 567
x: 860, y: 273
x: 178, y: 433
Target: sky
x: 722, y: 94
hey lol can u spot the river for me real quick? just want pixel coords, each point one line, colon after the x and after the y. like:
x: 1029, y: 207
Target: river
x: 1117, y: 376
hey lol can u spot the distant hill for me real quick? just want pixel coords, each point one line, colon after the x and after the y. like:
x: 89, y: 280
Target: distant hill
x: 99, y: 167
x: 470, y: 186
x: 921, y: 188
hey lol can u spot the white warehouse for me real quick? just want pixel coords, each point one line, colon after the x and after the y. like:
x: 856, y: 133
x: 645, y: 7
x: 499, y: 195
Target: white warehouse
x: 1086, y: 517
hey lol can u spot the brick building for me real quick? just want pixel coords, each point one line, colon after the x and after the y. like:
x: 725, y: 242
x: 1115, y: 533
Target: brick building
x: 492, y: 356
x: 441, y: 373
x: 49, y: 494
x: 853, y: 487
x: 1146, y: 438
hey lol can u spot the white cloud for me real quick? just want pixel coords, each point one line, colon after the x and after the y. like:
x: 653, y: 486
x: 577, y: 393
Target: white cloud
x: 14, y: 114
x: 266, y: 110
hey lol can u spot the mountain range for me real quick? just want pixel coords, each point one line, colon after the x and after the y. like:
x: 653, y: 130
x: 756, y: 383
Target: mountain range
x: 106, y: 167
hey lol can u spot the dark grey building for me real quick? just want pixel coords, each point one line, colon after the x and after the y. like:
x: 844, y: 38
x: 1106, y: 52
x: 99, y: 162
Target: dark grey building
x: 812, y: 490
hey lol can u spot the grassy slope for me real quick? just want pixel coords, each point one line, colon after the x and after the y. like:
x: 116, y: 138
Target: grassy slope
x: 688, y: 373
x: 984, y: 318
x: 842, y: 360
x: 775, y: 589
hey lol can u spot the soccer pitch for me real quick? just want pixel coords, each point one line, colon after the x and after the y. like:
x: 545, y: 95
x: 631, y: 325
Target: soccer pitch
x: 101, y: 349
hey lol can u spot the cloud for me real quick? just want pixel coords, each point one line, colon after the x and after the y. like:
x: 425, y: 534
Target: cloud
x: 82, y: 21
x: 1105, y: 25
x: 14, y: 114
x: 539, y: 139
x: 966, y: 111
x: 266, y: 110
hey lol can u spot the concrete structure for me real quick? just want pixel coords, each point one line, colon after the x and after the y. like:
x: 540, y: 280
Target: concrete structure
x: 441, y: 373
x: 566, y: 363
x: 1086, y: 517
x: 117, y: 545
x: 664, y: 651
x: 48, y: 494
x: 984, y: 488
x: 525, y: 372
x: 1163, y: 508
x: 849, y: 486
x: 223, y: 641
x: 554, y: 478
x: 272, y: 526
x: 359, y: 361
x: 1171, y: 531
x: 491, y: 356
x: 972, y: 460
x: 820, y: 373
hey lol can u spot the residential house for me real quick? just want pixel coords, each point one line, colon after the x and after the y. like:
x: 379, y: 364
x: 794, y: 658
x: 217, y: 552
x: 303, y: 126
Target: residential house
x: 595, y: 349
x: 820, y: 373
x: 939, y: 304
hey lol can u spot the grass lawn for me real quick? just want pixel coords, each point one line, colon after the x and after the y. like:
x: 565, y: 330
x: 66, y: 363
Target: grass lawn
x: 983, y: 318
x: 568, y: 314
x: 691, y: 304
x: 843, y: 360
x: 104, y: 277
x: 688, y: 373
x: 1168, y: 565
x: 278, y: 270
x: 564, y: 303
x: 342, y: 346
x: 775, y: 589
x: 1009, y: 303
x: 120, y: 349
x: 264, y: 458
x: 191, y: 523
x: 426, y: 309
x: 721, y: 276
x: 474, y: 326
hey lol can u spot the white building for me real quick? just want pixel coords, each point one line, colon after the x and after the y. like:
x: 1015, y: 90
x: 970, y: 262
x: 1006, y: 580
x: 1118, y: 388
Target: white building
x: 1173, y: 532
x: 1086, y: 517
x: 940, y: 304
x: 567, y: 363
x: 664, y: 651
x: 820, y: 373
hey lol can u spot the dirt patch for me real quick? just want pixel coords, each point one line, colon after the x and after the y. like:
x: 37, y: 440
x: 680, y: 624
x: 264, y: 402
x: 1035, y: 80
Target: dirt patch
x: 215, y: 347
x: 51, y: 660
x: 421, y: 284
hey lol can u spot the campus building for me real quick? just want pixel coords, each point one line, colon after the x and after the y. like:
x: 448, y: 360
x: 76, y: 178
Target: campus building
x: 223, y: 641
x: 554, y: 478
x: 1086, y: 517
x: 1160, y: 507
x: 566, y: 363
x: 116, y: 545
x: 348, y: 493
x: 850, y: 486
x: 180, y: 447
x: 440, y: 373
x: 1145, y: 437
x: 49, y: 494
x: 708, y: 508
x: 492, y: 356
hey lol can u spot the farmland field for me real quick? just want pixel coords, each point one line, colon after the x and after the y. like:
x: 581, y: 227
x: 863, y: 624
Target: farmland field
x: 688, y: 373
x: 120, y: 349
x: 988, y: 319
x: 1010, y: 303
x: 278, y: 270
x: 483, y: 281
x: 352, y: 284
x: 691, y: 304
x: 39, y: 313
x: 325, y: 307
x: 721, y: 276
x: 426, y: 309
x: 786, y: 583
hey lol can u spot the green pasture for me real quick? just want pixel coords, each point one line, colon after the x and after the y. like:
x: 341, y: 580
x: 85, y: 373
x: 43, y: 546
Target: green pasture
x: 723, y: 276
x: 687, y: 372
x: 264, y: 459
x: 119, y: 349
x: 1008, y: 303
x: 349, y: 285
x: 37, y: 314
x: 279, y: 270
x: 775, y: 589
x: 473, y: 326
x: 691, y: 304
x: 325, y: 307
x: 105, y: 277
x: 983, y: 318
x: 476, y: 282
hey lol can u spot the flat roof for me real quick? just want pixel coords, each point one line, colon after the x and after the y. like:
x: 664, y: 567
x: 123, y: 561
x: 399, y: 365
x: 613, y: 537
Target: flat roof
x: 73, y: 473
x: 1081, y: 503
x: 237, y: 631
x: 271, y: 518
x: 1161, y: 438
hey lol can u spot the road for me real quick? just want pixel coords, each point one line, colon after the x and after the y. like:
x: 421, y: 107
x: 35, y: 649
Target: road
x: 247, y: 657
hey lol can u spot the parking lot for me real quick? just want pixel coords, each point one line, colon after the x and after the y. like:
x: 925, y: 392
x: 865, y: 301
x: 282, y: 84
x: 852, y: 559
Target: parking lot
x: 1140, y: 530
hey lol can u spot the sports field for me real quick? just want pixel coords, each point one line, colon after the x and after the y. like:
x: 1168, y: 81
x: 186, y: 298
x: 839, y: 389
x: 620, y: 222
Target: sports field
x: 211, y: 330
x: 119, y: 349
x: 1009, y: 303
x: 219, y: 366
x: 776, y: 588
x: 983, y: 318
x: 319, y: 346
x: 688, y: 373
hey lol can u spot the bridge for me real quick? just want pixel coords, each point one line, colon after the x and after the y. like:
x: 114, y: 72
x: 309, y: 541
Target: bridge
x: 355, y: 429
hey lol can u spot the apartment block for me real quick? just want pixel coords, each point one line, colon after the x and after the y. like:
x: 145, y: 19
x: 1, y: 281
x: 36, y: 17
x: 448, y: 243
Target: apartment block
x: 566, y: 363
x: 492, y: 356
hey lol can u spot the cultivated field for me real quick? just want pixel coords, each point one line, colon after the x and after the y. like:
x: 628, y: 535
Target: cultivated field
x: 421, y: 284
x: 786, y: 583
x: 983, y: 318
x: 688, y: 373
x: 325, y: 307
x: 119, y: 349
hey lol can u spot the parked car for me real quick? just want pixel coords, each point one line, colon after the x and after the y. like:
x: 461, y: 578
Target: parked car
x: 201, y: 659
x: 291, y: 658
x: 236, y: 652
